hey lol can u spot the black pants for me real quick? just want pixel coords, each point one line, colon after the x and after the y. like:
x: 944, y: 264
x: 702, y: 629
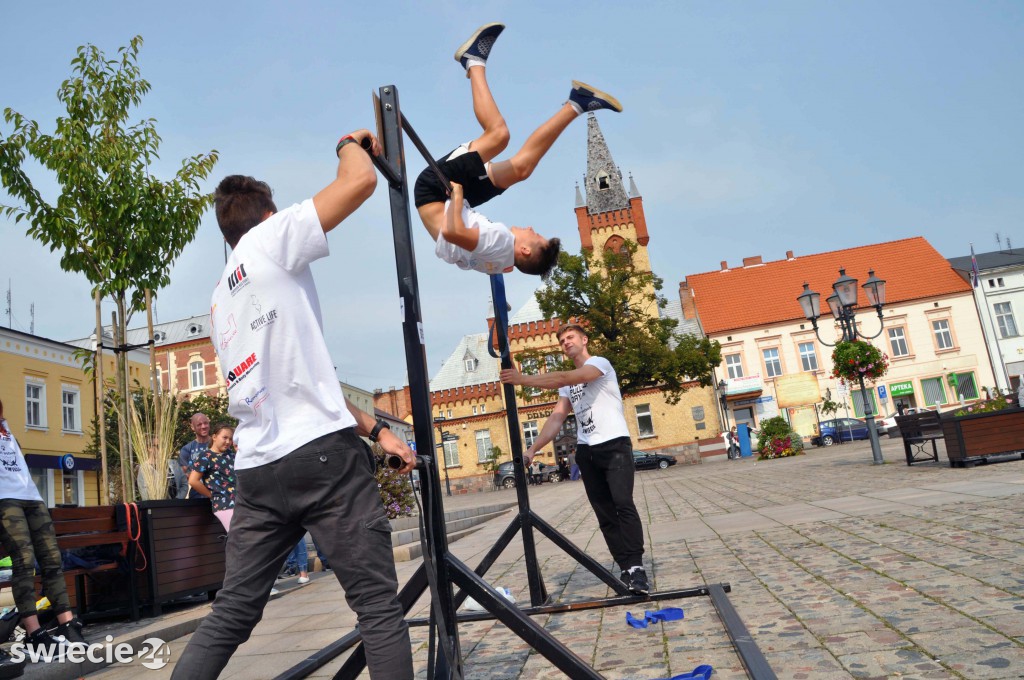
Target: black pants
x: 607, y: 470
x: 325, y: 486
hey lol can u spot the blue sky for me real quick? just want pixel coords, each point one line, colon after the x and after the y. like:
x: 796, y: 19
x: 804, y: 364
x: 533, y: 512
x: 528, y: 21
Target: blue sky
x: 750, y: 129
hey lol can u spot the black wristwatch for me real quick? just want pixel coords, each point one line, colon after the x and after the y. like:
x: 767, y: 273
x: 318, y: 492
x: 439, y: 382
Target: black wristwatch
x: 377, y: 428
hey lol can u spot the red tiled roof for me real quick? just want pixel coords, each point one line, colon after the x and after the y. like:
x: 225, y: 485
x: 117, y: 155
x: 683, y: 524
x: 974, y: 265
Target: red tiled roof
x: 764, y: 294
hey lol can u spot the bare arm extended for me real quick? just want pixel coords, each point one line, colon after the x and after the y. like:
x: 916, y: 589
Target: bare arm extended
x: 388, y: 441
x: 550, y: 429
x: 455, y: 230
x: 551, y: 380
x: 355, y: 182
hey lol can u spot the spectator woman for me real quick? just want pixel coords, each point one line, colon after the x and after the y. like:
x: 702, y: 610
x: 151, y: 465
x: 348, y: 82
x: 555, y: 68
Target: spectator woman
x: 27, y: 535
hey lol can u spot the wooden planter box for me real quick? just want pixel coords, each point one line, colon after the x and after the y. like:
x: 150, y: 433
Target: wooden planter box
x: 184, y: 551
x: 974, y: 438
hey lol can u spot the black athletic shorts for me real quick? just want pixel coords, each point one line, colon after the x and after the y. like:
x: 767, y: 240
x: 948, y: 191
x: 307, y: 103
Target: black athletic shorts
x: 467, y: 170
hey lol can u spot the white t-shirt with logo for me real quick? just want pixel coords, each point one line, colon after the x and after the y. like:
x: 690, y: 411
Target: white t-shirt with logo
x: 267, y: 330
x: 495, y: 249
x: 597, y: 405
x: 15, y: 480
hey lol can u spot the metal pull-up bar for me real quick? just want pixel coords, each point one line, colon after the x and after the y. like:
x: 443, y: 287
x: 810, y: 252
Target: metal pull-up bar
x: 386, y: 169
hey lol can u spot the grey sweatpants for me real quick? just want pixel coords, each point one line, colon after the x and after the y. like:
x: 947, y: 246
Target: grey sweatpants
x: 326, y: 487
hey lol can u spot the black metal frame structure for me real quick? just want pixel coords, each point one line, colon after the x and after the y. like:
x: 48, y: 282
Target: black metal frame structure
x: 441, y: 570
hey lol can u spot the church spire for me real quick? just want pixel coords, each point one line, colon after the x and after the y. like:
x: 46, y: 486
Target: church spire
x: 603, y: 185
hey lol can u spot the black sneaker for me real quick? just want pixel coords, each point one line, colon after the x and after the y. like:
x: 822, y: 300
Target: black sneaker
x: 42, y: 640
x: 9, y: 668
x: 624, y: 577
x: 592, y: 99
x: 72, y: 631
x: 479, y: 44
x: 638, y: 583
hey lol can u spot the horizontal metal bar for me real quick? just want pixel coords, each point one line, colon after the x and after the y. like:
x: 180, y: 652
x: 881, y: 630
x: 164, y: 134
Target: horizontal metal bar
x: 582, y: 605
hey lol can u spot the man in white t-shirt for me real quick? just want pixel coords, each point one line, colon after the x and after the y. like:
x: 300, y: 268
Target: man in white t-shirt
x: 300, y: 464
x: 464, y: 237
x: 604, y: 451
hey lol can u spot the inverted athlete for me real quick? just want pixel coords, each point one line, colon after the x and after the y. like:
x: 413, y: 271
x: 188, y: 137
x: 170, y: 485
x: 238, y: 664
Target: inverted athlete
x: 465, y: 237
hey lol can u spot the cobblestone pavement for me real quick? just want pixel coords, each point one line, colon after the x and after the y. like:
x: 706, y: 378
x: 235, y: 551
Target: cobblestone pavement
x: 838, y: 567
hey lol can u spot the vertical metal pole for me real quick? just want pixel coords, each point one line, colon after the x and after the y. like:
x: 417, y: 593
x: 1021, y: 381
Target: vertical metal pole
x: 416, y: 356
x: 538, y: 593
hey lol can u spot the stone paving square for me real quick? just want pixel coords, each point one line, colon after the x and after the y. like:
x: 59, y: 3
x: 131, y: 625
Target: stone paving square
x: 839, y: 568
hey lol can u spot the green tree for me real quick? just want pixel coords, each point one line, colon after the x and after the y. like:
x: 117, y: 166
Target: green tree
x: 215, y: 408
x: 113, y: 221
x: 620, y: 304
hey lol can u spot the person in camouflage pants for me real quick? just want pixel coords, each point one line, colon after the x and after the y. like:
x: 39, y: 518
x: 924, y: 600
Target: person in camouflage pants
x: 28, y: 536
x: 26, y: 532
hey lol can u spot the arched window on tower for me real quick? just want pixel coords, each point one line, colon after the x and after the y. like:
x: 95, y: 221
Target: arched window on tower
x: 603, y: 181
x: 617, y: 246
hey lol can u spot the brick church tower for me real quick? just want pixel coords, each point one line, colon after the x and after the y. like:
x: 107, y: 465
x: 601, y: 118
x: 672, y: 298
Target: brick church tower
x: 608, y: 215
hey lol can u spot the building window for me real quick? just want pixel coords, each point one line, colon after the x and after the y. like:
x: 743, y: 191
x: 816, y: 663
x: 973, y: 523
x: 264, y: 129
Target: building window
x: 644, y: 422
x: 808, y: 357
x: 772, y: 363
x: 552, y: 362
x: 568, y: 428
x: 530, y: 366
x: 70, y: 484
x: 858, y: 402
x: 471, y: 364
x: 734, y: 363
x: 483, y: 445
x: 159, y: 380
x: 530, y: 432
x: 449, y: 414
x: 966, y: 386
x: 35, y: 404
x: 474, y: 410
x: 1004, y: 316
x: 483, y: 408
x: 196, y: 374
x: 943, y: 338
x: 69, y: 409
x: 42, y: 481
x: 898, y: 342
x: 451, y: 454
x: 996, y: 283
x: 934, y: 392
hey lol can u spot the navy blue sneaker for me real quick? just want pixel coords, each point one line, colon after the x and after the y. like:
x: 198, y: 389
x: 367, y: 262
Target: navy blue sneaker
x: 479, y: 44
x: 589, y: 98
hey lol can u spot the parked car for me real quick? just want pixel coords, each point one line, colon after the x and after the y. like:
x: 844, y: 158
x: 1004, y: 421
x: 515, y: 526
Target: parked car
x: 840, y: 429
x: 887, y: 425
x: 643, y: 460
x: 505, y: 475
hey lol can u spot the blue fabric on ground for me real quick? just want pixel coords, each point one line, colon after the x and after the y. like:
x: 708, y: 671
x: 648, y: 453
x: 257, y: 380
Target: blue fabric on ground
x: 702, y: 672
x: 666, y: 614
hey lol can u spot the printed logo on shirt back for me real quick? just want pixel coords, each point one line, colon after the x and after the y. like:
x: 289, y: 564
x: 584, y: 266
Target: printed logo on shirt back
x: 256, y: 400
x: 237, y: 279
x: 228, y: 335
x: 241, y: 371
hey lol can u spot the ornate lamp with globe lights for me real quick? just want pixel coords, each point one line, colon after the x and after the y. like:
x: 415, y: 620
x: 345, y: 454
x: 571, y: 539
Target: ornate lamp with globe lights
x: 842, y: 304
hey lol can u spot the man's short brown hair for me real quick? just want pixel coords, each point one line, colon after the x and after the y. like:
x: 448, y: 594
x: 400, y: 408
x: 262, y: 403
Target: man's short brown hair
x: 562, y: 330
x: 241, y: 203
x: 543, y: 260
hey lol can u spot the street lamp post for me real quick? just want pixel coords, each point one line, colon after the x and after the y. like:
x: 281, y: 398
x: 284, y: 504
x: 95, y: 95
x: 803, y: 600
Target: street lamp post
x: 722, y: 400
x: 842, y: 303
x: 439, y: 420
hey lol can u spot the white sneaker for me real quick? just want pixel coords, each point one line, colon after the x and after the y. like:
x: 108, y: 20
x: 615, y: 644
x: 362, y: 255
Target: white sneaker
x: 274, y: 591
x: 303, y: 580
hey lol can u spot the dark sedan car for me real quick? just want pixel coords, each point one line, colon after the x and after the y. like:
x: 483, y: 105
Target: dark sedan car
x: 505, y: 475
x: 643, y: 460
x: 840, y: 429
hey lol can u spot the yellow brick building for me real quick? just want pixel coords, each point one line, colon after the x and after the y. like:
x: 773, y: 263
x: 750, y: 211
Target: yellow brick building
x: 50, y: 403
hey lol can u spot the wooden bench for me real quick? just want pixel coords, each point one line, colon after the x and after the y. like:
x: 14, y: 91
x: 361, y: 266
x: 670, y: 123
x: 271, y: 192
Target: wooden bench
x: 82, y: 528
x: 918, y: 431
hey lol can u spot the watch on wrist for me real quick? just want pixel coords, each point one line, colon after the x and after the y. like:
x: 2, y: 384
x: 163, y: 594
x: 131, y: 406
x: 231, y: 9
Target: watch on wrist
x: 381, y: 425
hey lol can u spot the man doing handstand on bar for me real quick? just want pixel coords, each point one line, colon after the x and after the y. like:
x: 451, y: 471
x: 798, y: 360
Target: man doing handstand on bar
x: 465, y: 237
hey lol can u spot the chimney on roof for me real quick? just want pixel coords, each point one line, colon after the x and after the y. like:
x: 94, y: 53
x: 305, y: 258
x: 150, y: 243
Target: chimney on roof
x: 751, y: 261
x: 789, y: 255
x: 686, y: 301
x: 725, y: 266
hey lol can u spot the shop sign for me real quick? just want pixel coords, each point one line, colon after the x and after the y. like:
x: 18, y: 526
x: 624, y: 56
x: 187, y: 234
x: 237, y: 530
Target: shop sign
x: 901, y: 388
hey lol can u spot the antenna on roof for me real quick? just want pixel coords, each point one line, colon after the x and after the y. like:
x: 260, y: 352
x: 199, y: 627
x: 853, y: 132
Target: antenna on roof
x: 1008, y: 246
x: 32, y: 319
x: 999, y: 241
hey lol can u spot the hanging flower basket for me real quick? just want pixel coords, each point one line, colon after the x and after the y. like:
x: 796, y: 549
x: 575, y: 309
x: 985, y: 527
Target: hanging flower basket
x: 858, y: 359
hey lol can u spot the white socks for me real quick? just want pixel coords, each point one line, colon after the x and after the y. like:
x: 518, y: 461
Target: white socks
x: 474, y: 61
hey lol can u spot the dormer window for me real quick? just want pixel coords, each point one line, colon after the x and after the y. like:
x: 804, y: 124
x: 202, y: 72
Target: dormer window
x: 602, y: 182
x: 159, y: 336
x: 195, y: 329
x: 471, y: 362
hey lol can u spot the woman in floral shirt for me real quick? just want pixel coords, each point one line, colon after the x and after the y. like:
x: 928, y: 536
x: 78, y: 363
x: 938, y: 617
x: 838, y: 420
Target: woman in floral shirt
x: 213, y: 473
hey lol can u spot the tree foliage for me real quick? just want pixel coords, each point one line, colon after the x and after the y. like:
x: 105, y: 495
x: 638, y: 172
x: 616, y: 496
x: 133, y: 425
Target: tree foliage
x: 112, y: 221
x: 620, y: 306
